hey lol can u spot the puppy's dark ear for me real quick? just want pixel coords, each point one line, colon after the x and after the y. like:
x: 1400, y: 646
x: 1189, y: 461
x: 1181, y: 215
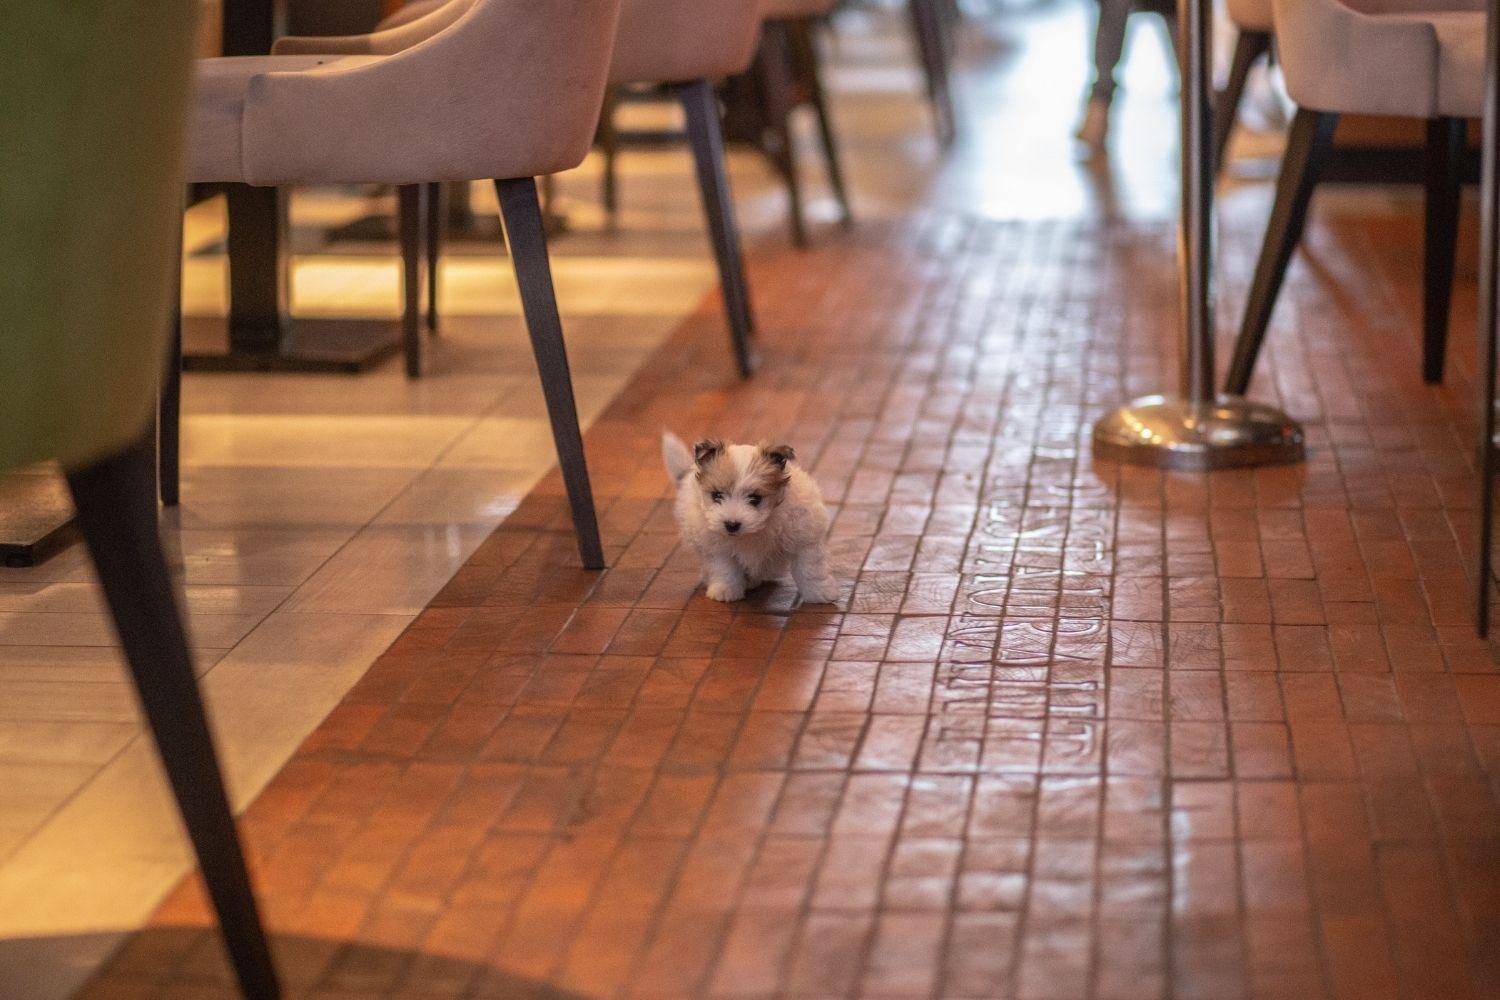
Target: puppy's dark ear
x: 706, y: 451
x: 779, y: 454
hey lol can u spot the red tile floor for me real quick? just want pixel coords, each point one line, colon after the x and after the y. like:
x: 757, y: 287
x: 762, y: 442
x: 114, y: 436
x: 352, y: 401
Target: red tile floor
x: 1077, y: 730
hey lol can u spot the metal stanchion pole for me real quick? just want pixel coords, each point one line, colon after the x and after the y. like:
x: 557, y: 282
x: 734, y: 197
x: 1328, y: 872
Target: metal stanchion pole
x: 1489, y: 286
x: 1197, y: 430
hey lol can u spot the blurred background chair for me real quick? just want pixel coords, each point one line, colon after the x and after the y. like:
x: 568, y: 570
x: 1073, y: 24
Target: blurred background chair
x: 681, y: 48
x: 504, y: 89
x: 786, y: 75
x: 685, y: 46
x: 91, y: 164
x: 758, y: 101
x: 1370, y: 58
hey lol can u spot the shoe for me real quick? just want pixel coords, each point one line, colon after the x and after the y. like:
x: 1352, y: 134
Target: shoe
x: 1094, y: 128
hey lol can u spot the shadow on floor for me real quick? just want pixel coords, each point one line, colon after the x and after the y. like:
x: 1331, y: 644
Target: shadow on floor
x: 190, y: 962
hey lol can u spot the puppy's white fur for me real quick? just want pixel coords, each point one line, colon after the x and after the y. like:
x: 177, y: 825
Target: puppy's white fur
x: 717, y: 486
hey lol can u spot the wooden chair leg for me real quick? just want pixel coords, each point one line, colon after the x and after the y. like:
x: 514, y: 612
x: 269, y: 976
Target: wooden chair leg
x: 521, y: 211
x: 705, y: 133
x: 1443, y: 179
x: 1249, y: 46
x: 412, y: 198
x: 437, y: 216
x: 116, y: 502
x: 1307, y: 149
x: 805, y: 49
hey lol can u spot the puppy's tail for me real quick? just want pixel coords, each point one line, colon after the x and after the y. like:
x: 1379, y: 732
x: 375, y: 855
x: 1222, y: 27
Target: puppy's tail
x: 676, y: 456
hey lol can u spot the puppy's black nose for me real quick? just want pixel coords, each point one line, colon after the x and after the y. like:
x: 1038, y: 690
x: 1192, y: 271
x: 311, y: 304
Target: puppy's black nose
x: 731, y: 526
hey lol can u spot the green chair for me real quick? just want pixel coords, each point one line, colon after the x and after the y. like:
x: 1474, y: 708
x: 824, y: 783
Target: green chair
x: 91, y: 137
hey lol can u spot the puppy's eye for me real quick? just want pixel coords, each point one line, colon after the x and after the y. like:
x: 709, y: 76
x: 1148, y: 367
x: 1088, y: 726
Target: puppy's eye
x: 753, y: 499
x: 716, y: 496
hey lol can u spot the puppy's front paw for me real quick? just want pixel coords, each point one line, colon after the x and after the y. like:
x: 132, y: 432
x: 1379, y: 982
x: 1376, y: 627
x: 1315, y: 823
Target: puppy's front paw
x: 825, y: 591
x: 718, y: 590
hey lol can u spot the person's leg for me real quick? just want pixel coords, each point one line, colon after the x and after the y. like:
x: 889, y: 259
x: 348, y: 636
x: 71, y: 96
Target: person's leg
x: 1109, y: 43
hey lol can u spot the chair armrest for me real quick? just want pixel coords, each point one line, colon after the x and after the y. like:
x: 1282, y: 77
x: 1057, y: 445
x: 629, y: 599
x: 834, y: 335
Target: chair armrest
x: 1338, y: 59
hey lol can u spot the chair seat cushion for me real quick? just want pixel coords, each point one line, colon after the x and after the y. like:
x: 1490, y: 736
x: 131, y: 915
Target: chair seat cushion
x: 215, y: 141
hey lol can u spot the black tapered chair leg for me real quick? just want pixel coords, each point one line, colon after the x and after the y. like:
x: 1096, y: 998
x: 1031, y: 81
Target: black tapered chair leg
x: 609, y: 145
x: 1443, y: 179
x: 1308, y: 145
x: 1249, y: 46
x: 412, y: 198
x: 806, y: 48
x: 783, y: 152
x: 521, y: 211
x: 169, y: 408
x: 706, y: 135
x: 116, y: 503
x: 437, y: 215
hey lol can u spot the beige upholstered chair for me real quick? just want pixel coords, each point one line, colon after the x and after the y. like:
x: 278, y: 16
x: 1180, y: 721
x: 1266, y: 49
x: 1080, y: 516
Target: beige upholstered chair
x: 1252, y: 23
x: 1379, y: 57
x: 680, y: 44
x: 500, y: 89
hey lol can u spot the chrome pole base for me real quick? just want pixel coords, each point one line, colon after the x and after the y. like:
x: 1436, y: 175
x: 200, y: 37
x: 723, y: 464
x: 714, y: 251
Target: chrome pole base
x: 1186, y: 436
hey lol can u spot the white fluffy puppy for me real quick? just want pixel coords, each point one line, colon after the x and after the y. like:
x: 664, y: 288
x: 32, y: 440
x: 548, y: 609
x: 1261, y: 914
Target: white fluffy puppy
x: 753, y: 515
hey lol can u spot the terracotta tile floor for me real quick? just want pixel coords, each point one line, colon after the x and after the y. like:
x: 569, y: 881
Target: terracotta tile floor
x: 1076, y: 730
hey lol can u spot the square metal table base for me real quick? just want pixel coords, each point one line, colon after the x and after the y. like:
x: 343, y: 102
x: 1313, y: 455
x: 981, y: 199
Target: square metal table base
x: 36, y: 517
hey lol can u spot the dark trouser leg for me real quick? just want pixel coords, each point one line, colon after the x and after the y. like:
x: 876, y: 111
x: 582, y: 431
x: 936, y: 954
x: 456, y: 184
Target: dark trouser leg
x: 1444, y: 184
x: 1109, y: 43
x: 412, y: 197
x: 1249, y: 46
x: 522, y: 213
x: 707, y: 138
x: 928, y: 30
x: 1307, y: 149
x: 116, y: 501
